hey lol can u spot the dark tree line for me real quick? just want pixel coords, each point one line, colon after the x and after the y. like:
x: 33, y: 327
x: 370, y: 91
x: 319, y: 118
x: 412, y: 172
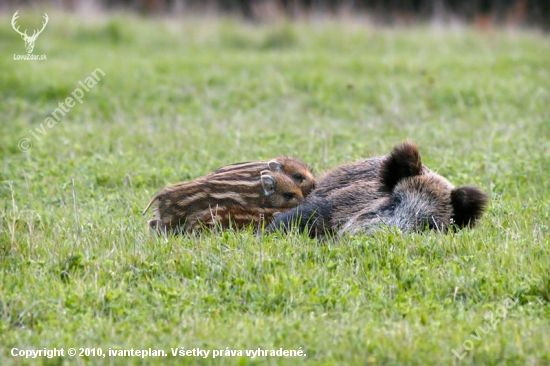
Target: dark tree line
x: 385, y: 11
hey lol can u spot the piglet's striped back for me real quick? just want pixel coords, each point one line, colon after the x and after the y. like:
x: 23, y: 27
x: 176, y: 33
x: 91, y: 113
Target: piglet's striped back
x: 236, y: 195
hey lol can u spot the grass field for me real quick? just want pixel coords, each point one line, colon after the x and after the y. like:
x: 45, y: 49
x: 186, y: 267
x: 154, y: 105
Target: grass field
x: 78, y: 267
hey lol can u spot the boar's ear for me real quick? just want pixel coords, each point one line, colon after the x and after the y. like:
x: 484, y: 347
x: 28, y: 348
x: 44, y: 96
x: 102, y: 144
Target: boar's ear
x: 268, y: 184
x: 275, y: 166
x: 468, y: 205
x: 402, y: 162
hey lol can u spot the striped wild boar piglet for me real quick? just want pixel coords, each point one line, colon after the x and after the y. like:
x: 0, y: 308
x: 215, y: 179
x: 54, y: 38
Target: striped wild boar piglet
x: 238, y: 195
x: 296, y: 169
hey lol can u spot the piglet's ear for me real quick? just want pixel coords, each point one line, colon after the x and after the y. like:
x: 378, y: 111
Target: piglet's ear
x: 402, y: 162
x: 468, y: 205
x: 275, y: 166
x: 268, y: 184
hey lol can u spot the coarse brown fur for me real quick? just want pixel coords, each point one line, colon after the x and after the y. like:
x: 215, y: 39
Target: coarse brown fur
x: 235, y: 196
x: 394, y: 190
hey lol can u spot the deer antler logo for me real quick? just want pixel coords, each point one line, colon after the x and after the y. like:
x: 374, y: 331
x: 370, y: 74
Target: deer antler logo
x: 29, y: 40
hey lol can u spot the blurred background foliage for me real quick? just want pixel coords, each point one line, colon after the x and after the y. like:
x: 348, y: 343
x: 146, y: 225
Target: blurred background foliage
x: 483, y: 13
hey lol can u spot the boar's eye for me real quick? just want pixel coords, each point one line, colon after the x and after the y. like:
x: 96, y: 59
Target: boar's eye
x: 298, y: 177
x: 289, y: 196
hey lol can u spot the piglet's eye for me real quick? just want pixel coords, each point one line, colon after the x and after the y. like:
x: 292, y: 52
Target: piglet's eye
x: 298, y: 177
x: 289, y: 196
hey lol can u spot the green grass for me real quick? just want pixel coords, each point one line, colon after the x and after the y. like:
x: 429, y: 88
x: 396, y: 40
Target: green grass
x: 180, y: 99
